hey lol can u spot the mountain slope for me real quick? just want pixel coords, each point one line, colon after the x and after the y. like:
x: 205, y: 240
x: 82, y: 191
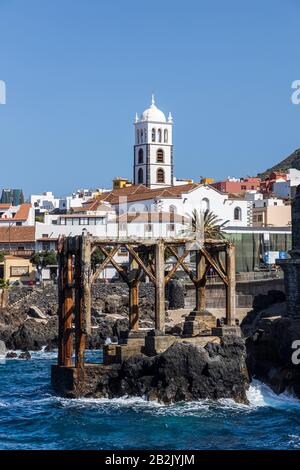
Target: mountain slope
x: 292, y: 161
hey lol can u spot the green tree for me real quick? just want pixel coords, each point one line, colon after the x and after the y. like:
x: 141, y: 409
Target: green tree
x: 44, y: 258
x: 206, y: 225
x: 213, y: 226
x: 96, y: 258
x: 4, y: 284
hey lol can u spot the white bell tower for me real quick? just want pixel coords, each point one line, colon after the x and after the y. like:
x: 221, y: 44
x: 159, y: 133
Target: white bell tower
x: 153, y: 149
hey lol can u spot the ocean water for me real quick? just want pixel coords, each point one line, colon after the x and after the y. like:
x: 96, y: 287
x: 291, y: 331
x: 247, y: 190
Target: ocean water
x: 32, y: 417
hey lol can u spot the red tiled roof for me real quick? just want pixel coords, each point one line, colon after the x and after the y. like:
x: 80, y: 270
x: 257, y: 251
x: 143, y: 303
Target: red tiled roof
x: 142, y: 193
x: 21, y: 214
x: 17, y: 234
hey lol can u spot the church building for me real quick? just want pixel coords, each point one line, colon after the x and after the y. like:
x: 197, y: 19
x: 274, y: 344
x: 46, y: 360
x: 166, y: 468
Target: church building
x: 153, y: 149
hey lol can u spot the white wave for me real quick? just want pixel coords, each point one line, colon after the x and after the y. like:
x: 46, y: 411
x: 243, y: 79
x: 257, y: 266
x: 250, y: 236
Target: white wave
x: 294, y: 441
x: 260, y: 394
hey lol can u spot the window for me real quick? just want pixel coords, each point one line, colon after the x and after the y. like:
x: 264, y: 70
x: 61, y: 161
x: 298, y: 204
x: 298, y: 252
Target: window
x: 45, y: 235
x: 84, y: 221
x: 122, y: 251
x: 159, y: 135
x: 243, y: 187
x: 205, y: 205
x: 172, y: 209
x: 142, y: 135
x: 237, y: 213
x: 275, y: 203
x: 153, y: 135
x: 19, y: 223
x: 260, y: 218
x: 140, y: 176
x: 141, y: 156
x: 160, y: 156
x: 252, y: 187
x: 148, y: 228
x: 165, y: 135
x: 254, y: 218
x: 138, y: 136
x: 16, y: 271
x: 160, y: 176
x: 171, y: 227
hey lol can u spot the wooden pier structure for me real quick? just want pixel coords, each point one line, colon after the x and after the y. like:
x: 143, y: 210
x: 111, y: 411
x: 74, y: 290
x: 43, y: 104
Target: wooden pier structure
x: 147, y: 258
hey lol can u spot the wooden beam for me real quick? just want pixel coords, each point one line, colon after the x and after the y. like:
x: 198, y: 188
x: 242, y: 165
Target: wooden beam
x: 183, y: 265
x: 117, y: 267
x: 86, y: 283
x: 61, y: 294
x: 160, y: 287
x: 80, y: 336
x: 214, y: 265
x: 231, y: 286
x: 140, y: 262
x: 103, y: 265
x: 176, y: 266
x: 134, y: 305
x: 201, y: 270
x: 68, y: 307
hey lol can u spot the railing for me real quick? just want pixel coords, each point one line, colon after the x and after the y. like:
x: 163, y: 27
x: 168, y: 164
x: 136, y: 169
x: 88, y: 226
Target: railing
x: 253, y: 276
x: 24, y: 253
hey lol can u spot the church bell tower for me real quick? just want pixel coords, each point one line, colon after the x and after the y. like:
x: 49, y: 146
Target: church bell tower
x: 153, y: 149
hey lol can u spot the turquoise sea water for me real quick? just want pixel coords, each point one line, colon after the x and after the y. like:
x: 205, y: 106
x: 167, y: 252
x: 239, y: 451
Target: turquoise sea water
x: 32, y: 417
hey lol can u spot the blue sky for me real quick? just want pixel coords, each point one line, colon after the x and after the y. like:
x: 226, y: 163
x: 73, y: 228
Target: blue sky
x: 76, y: 72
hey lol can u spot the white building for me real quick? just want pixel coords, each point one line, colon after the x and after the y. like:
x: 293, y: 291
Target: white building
x: 22, y: 215
x: 47, y: 202
x: 287, y: 189
x: 182, y: 200
x: 153, y: 149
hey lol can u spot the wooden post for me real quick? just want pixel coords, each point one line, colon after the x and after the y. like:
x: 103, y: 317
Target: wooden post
x: 61, y: 297
x: 134, y: 305
x: 160, y: 286
x: 79, y: 330
x: 231, y: 287
x: 68, y: 311
x: 200, y: 283
x: 86, y: 282
x: 133, y: 284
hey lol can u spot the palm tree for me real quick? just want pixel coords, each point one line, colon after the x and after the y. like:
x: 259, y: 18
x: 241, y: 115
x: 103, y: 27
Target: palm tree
x: 205, y: 225
x: 213, y: 226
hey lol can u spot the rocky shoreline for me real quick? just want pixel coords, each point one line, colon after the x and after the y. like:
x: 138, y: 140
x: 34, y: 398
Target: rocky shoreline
x: 184, y: 372
x: 270, y: 334
x: 265, y: 351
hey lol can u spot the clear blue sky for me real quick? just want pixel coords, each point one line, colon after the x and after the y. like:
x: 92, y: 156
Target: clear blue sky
x: 76, y: 72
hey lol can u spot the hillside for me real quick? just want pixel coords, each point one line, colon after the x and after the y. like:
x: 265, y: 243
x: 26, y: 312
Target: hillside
x: 292, y: 161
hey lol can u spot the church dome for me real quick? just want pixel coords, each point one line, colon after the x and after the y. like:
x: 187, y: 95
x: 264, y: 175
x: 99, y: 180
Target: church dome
x: 153, y: 114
